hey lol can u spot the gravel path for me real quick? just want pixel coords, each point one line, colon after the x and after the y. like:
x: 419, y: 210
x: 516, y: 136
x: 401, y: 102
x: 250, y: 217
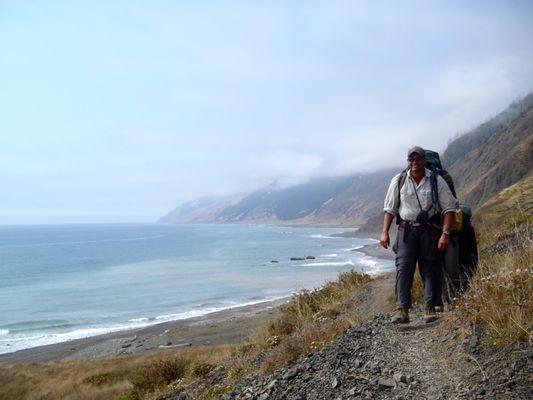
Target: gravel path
x: 379, y: 360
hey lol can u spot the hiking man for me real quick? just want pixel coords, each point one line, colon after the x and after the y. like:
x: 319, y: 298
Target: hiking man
x: 419, y: 238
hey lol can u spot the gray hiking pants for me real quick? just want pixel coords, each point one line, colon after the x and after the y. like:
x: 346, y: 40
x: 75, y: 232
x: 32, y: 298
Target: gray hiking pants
x: 418, y: 244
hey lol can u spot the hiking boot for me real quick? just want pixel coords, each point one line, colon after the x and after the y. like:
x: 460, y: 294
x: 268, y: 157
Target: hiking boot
x: 430, y: 315
x: 401, y: 316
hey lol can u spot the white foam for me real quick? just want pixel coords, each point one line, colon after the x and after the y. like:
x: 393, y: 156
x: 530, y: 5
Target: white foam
x: 142, y: 319
x: 375, y: 266
x: 209, y: 310
x: 330, y: 255
x: 327, y: 264
x: 4, y: 332
x: 25, y: 342
x: 355, y: 248
x: 318, y: 236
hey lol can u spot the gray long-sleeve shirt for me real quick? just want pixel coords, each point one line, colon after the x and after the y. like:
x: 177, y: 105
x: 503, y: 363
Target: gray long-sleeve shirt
x: 408, y: 206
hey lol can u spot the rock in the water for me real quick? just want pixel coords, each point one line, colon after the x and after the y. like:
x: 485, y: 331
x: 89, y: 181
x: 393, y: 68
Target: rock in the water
x: 310, y: 257
x: 297, y: 258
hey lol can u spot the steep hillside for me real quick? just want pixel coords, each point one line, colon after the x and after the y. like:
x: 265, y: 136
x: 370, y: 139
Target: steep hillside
x: 204, y: 209
x: 286, y: 204
x: 478, y: 137
x: 511, y: 205
x: 505, y: 157
x: 485, y: 161
x: 345, y: 201
x: 482, y: 162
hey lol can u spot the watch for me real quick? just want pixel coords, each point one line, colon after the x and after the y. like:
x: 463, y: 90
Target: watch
x: 447, y: 233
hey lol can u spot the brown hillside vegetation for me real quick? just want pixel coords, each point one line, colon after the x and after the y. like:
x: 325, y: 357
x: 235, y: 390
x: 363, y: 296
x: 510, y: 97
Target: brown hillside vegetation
x: 505, y: 158
x: 509, y: 205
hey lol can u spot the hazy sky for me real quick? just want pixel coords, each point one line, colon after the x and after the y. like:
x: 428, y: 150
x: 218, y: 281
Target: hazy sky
x: 119, y: 111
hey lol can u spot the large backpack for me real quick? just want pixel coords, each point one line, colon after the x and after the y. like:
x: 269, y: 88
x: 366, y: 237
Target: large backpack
x: 461, y: 258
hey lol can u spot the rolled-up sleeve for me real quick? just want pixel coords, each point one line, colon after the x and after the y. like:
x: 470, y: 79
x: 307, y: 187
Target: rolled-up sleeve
x: 391, y: 203
x: 446, y: 199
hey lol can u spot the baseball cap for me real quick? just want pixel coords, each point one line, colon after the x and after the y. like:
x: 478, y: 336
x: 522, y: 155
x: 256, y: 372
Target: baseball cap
x: 418, y: 150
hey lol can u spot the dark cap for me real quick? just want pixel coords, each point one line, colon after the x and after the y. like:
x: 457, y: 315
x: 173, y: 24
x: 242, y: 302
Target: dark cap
x: 418, y: 150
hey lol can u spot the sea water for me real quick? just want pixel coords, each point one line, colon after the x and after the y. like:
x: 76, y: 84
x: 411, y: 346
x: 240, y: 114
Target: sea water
x: 59, y: 283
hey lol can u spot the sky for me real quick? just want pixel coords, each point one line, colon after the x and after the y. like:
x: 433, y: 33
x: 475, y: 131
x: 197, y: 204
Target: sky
x: 120, y: 111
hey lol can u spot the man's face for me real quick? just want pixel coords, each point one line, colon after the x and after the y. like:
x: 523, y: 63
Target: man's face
x: 416, y: 162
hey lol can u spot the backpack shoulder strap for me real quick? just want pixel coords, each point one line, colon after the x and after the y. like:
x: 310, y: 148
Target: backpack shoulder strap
x: 435, y: 189
x: 401, y: 182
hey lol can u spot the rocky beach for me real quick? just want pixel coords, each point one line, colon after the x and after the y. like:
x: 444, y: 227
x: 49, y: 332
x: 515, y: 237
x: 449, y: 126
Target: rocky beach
x: 222, y: 327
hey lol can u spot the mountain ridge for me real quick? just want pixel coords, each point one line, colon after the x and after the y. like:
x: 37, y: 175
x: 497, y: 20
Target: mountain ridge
x: 484, y: 161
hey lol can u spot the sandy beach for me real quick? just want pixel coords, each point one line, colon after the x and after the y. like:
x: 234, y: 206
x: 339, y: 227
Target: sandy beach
x: 222, y: 327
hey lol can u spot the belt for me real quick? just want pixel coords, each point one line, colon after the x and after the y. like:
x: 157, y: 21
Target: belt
x: 403, y: 224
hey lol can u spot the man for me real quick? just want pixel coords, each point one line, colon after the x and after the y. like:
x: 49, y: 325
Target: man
x: 420, y: 238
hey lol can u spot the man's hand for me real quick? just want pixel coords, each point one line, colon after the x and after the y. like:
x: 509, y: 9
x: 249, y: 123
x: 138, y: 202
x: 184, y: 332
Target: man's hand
x: 384, y: 241
x: 444, y: 242
x: 387, y: 221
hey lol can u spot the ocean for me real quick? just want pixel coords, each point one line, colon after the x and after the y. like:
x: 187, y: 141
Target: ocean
x: 65, y: 282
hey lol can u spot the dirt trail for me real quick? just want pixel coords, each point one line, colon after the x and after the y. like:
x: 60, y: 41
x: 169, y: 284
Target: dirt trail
x: 373, y: 298
x: 379, y: 360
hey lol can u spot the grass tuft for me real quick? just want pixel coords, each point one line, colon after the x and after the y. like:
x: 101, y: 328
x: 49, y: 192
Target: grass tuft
x: 103, y: 378
x: 309, y: 321
x: 159, y: 373
x: 202, y: 369
x: 500, y: 295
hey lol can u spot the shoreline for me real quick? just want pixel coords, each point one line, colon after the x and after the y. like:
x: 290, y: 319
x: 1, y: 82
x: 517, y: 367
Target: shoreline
x: 375, y: 250
x: 227, y: 326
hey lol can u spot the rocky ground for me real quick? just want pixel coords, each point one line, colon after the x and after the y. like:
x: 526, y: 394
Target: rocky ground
x: 378, y: 360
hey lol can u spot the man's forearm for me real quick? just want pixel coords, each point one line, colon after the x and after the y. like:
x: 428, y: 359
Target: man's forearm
x: 449, y: 220
x: 387, y: 222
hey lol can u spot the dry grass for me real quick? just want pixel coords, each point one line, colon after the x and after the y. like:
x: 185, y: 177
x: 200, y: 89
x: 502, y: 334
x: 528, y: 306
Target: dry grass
x: 507, y: 207
x: 501, y: 293
x: 129, y: 377
x: 159, y: 373
x: 311, y: 320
